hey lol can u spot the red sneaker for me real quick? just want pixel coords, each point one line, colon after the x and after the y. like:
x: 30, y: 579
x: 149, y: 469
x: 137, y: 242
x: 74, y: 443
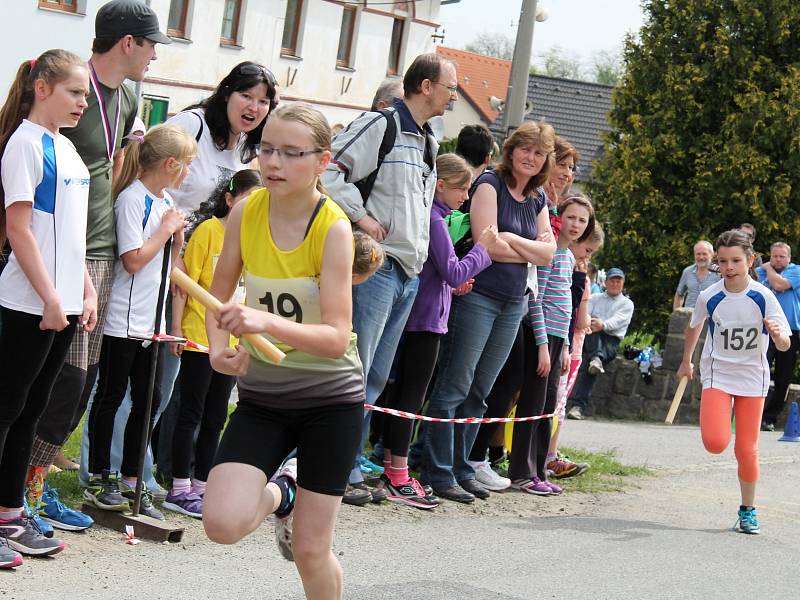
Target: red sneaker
x: 561, y: 468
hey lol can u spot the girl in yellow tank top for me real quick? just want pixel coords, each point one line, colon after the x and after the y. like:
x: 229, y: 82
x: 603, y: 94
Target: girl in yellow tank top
x: 295, y: 249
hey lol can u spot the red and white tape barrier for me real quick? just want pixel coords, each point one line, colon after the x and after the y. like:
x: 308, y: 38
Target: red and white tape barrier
x: 466, y: 420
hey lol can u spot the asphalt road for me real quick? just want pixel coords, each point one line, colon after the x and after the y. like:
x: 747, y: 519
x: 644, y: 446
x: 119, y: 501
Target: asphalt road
x: 666, y: 536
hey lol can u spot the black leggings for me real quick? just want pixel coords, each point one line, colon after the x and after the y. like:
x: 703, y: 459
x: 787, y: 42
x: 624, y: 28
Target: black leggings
x: 326, y: 438
x: 30, y: 360
x: 121, y: 360
x: 204, y: 402
x: 417, y: 362
x: 500, y: 399
x: 538, y: 396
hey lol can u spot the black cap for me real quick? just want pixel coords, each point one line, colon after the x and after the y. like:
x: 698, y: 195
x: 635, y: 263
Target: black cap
x: 119, y: 18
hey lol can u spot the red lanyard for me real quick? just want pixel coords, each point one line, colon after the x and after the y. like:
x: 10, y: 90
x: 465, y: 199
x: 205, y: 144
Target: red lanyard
x: 111, y: 136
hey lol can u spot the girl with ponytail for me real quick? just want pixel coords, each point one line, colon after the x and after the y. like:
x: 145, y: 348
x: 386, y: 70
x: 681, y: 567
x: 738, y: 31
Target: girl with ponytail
x: 45, y: 291
x: 148, y: 226
x: 295, y: 248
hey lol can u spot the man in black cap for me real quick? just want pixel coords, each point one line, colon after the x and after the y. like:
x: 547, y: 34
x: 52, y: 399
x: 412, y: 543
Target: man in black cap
x: 126, y: 33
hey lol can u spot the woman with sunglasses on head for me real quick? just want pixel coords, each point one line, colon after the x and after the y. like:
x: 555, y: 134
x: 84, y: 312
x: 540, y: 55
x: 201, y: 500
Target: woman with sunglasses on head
x: 227, y: 126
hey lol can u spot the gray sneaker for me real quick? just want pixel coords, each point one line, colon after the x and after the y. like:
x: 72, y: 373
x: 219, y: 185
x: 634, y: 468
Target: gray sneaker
x: 25, y: 537
x: 575, y: 413
x: 146, y: 507
x: 8, y: 557
x: 596, y: 366
x: 283, y: 526
x: 283, y: 535
x: 103, y: 492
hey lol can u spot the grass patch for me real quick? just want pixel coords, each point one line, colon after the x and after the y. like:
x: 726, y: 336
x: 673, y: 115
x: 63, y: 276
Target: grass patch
x: 66, y: 482
x: 605, y: 474
x: 70, y: 490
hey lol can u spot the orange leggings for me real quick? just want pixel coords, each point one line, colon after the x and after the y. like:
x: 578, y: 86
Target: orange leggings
x: 715, y: 428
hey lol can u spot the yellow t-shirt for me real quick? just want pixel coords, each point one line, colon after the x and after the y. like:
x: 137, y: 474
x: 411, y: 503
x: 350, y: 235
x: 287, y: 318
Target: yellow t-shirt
x: 286, y: 283
x: 200, y: 257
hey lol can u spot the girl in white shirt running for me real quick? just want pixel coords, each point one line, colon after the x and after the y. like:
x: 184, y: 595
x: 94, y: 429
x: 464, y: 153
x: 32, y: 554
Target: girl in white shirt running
x: 45, y: 291
x: 742, y: 315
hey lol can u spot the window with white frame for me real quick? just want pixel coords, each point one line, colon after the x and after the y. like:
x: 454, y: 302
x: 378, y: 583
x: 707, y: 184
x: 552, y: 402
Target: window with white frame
x: 396, y: 46
x: 231, y: 17
x: 178, y: 19
x: 290, y: 43
x: 70, y: 6
x: 401, y: 11
x: 344, y: 55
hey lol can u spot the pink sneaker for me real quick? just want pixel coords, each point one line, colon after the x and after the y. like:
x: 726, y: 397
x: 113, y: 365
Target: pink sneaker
x: 555, y: 490
x: 532, y: 486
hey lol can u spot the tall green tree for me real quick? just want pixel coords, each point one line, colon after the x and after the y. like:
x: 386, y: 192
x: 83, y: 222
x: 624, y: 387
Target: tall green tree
x: 705, y: 135
x: 558, y: 62
x: 498, y: 45
x: 607, y: 67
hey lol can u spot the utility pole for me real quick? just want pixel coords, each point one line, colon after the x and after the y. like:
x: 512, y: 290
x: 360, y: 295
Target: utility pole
x: 517, y: 93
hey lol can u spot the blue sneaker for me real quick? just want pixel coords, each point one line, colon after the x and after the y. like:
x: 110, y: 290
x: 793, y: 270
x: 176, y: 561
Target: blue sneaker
x: 45, y: 528
x: 747, y: 521
x: 368, y: 467
x: 60, y: 516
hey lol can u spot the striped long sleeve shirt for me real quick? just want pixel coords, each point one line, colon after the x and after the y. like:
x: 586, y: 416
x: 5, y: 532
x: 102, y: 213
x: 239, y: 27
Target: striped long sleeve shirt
x: 550, y: 311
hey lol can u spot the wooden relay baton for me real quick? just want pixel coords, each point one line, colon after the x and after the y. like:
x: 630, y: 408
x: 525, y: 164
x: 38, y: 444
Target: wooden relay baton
x: 676, y: 400
x: 191, y: 287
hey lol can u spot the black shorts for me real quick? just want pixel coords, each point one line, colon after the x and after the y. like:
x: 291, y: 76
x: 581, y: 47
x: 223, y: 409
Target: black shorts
x: 326, y: 439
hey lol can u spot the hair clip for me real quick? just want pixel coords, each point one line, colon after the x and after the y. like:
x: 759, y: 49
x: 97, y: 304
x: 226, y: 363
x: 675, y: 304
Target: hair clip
x: 230, y: 186
x: 32, y: 63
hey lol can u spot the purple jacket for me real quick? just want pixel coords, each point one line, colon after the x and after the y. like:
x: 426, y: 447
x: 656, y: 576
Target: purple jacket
x: 441, y: 272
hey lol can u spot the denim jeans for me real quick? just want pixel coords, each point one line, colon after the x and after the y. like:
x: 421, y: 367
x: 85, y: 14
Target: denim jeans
x: 598, y: 345
x: 381, y: 306
x: 168, y: 415
x: 481, y: 333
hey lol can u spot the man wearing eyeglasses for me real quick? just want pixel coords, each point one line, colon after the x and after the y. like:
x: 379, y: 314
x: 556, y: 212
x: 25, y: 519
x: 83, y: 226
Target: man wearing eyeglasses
x: 396, y: 212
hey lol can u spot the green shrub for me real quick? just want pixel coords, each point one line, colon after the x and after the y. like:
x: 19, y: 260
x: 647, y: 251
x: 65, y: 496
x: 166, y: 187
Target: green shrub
x: 705, y: 135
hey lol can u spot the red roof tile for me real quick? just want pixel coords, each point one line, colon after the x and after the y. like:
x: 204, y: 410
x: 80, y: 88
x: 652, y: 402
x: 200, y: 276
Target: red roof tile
x: 479, y: 77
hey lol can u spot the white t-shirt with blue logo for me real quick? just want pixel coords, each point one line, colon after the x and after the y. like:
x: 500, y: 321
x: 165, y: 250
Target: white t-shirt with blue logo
x: 133, y: 299
x: 44, y: 168
x: 734, y: 356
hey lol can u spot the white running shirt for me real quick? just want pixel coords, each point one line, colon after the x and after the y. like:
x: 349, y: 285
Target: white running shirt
x: 45, y: 169
x: 133, y: 298
x: 209, y: 168
x: 734, y: 356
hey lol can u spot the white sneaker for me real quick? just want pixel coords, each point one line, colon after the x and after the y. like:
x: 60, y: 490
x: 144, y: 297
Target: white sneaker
x: 596, y: 366
x: 283, y: 527
x: 488, y: 478
x: 289, y: 468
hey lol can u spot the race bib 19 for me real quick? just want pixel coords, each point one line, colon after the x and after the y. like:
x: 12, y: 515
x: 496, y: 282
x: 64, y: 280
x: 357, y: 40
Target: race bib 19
x: 294, y: 299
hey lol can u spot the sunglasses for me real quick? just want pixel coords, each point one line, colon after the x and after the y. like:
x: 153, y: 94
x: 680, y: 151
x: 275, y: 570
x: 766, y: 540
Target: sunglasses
x: 255, y: 69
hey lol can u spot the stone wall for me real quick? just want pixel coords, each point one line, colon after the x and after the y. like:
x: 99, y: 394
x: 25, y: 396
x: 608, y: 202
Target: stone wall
x: 621, y: 393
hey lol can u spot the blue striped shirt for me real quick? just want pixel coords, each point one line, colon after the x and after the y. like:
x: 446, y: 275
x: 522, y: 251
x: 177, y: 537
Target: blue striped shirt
x: 549, y: 313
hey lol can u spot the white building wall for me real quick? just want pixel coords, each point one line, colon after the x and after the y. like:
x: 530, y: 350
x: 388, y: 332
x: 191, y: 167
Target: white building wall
x: 463, y: 113
x: 186, y: 71
x: 28, y: 31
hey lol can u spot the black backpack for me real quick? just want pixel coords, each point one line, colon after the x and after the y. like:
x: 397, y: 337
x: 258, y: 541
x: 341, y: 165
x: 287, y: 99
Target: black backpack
x: 366, y: 184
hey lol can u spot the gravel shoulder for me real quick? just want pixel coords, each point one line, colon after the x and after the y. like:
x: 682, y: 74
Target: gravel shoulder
x: 666, y: 536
